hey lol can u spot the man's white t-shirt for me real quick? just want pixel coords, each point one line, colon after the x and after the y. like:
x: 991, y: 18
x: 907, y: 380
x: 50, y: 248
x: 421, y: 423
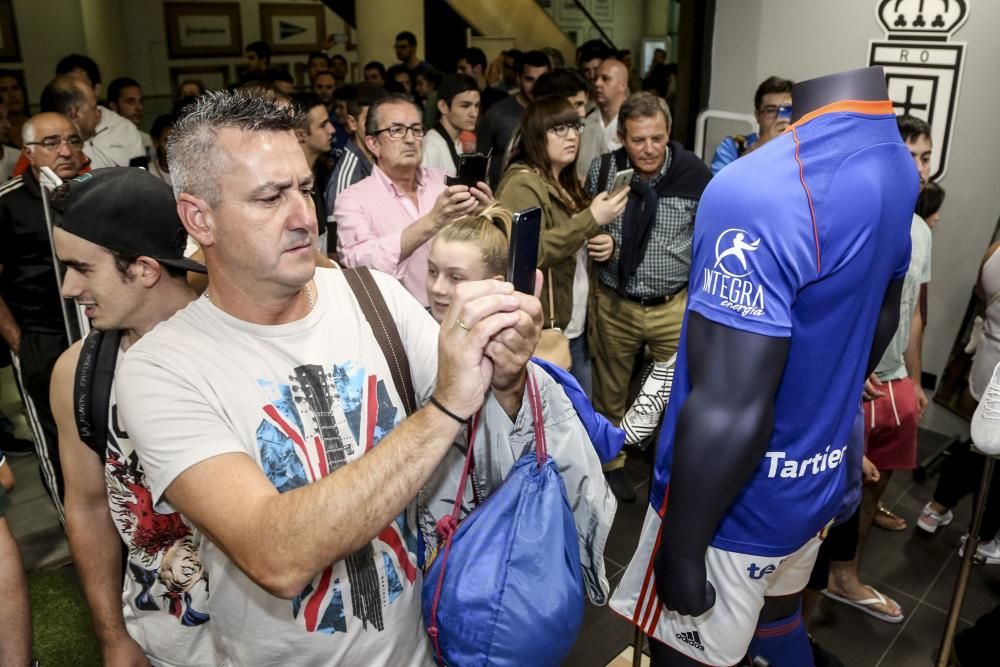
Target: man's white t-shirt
x: 596, y: 140
x: 301, y: 399
x: 115, y: 143
x: 437, y: 154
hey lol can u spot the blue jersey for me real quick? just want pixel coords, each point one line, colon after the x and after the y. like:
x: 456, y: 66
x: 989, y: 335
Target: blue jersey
x: 800, y: 240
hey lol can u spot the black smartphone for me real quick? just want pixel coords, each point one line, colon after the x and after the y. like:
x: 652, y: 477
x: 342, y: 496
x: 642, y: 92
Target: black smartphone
x: 471, y: 170
x: 522, y: 258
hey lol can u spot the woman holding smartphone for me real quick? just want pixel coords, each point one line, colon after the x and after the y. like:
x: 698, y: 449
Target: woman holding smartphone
x: 542, y: 173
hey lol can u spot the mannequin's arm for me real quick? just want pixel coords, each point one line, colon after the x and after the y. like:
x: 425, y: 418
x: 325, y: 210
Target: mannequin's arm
x: 722, y: 434
x: 888, y: 320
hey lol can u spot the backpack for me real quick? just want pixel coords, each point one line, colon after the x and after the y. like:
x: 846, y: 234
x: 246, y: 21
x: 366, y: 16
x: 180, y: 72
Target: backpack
x: 95, y: 373
x: 506, y: 586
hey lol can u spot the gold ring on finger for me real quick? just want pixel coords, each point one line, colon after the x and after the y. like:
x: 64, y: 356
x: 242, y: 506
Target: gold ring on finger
x: 463, y: 325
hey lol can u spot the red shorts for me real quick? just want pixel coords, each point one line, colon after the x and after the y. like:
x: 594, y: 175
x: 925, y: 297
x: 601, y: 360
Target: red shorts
x: 891, y: 426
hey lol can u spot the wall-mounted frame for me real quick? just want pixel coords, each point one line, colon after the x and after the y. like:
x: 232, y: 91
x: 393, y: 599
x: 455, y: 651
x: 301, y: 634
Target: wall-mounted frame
x: 203, y: 29
x: 602, y: 11
x: 10, y: 48
x: 293, y: 28
x: 213, y: 77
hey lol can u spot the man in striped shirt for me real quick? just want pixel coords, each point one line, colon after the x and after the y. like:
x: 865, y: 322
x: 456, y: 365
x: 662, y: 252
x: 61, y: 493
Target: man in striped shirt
x: 354, y: 161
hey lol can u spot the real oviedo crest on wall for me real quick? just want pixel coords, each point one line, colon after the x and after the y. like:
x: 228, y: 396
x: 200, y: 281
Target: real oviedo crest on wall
x: 923, y: 66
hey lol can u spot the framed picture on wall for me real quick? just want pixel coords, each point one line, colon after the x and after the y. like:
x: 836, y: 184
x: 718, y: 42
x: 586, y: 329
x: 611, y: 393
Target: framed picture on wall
x: 293, y: 28
x: 212, y: 77
x: 10, y: 49
x: 602, y: 11
x: 203, y: 29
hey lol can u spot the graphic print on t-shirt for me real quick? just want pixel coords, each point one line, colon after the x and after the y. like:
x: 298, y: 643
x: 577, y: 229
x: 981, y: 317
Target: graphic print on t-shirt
x: 164, y: 570
x: 314, y: 425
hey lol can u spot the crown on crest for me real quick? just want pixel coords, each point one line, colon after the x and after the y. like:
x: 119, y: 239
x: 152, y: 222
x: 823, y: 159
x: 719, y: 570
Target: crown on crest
x: 922, y: 17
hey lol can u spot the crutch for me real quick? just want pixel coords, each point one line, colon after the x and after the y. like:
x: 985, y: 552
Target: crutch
x: 48, y: 180
x: 962, y: 582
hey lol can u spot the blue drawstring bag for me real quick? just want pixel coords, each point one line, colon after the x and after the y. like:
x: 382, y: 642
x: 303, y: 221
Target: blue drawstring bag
x: 506, y: 588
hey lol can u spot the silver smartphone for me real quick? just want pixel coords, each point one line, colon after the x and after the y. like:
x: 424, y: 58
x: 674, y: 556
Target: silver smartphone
x: 622, y: 178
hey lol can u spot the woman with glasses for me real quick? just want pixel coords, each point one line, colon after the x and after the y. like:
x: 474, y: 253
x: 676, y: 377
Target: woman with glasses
x: 542, y: 172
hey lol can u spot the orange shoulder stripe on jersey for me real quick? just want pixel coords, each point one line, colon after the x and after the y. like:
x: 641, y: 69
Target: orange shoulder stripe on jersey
x: 867, y: 107
x: 805, y: 187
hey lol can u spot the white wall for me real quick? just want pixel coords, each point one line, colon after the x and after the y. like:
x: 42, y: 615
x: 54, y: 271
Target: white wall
x: 800, y: 40
x: 46, y: 31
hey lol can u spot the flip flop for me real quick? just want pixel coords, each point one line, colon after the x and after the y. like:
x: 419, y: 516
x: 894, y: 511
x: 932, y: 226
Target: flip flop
x: 867, y: 604
x: 886, y: 516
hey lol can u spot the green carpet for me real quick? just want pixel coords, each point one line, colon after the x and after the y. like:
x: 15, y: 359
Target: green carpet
x: 63, y: 634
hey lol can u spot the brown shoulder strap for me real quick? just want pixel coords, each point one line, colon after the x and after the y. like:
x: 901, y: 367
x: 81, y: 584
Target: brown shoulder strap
x: 373, y: 305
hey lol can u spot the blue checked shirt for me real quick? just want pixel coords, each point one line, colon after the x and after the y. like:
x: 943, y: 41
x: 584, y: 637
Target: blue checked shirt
x: 665, y: 267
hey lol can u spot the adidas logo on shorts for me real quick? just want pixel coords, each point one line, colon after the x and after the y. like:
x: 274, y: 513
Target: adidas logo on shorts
x: 692, y: 639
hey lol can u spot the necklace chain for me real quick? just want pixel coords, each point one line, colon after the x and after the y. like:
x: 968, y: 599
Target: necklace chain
x: 309, y: 297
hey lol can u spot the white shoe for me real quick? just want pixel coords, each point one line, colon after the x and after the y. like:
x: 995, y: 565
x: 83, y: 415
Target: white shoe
x: 987, y: 553
x: 646, y: 411
x: 985, y: 427
x: 930, y: 520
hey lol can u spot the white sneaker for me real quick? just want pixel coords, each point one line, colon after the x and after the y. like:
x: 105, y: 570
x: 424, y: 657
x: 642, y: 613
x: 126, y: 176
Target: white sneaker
x: 985, y: 427
x: 987, y: 553
x: 646, y: 411
x: 930, y: 520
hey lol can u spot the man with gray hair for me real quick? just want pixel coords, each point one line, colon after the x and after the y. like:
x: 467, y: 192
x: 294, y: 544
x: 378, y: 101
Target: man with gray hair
x: 266, y: 413
x: 111, y: 140
x: 31, y: 317
x: 385, y: 221
x: 642, y: 289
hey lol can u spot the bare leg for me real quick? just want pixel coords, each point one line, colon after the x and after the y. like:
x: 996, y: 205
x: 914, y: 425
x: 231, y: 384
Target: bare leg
x: 15, y: 610
x: 844, y: 575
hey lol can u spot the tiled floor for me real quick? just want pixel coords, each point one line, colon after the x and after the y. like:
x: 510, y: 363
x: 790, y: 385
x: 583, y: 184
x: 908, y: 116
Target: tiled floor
x: 918, y: 571
x: 32, y: 517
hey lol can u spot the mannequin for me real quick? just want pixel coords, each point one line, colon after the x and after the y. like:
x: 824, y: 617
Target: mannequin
x: 721, y: 444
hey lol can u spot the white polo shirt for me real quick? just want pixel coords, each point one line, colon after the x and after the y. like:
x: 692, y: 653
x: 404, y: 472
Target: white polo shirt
x: 115, y: 143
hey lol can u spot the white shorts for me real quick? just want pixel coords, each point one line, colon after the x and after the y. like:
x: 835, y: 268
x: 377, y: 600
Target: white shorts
x: 721, y: 635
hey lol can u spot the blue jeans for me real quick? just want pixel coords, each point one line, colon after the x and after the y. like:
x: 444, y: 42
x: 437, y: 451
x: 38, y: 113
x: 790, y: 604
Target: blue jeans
x: 581, y: 362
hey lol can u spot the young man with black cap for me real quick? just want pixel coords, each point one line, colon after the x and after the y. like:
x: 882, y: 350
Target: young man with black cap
x: 129, y: 278
x: 458, y: 102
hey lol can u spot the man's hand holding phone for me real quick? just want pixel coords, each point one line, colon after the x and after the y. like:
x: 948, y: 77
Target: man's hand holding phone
x: 457, y: 201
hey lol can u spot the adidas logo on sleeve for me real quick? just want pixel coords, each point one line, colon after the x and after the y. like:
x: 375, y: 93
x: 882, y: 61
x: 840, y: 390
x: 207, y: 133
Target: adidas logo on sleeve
x: 691, y: 638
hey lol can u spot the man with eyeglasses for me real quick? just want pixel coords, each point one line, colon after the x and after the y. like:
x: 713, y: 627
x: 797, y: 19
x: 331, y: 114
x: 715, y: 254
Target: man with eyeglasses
x: 31, y: 320
x: 385, y: 221
x: 600, y: 129
x: 642, y: 290
x: 772, y: 105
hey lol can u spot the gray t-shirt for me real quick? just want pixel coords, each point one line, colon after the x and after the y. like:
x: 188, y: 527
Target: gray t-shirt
x: 892, y: 365
x: 301, y: 399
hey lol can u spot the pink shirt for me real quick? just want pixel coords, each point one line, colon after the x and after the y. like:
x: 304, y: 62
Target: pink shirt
x: 371, y: 216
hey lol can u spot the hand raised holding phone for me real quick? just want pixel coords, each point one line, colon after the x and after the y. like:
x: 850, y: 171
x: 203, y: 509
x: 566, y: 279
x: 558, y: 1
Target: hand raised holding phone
x: 606, y: 207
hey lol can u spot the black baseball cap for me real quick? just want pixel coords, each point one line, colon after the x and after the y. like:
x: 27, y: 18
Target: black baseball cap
x: 130, y: 211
